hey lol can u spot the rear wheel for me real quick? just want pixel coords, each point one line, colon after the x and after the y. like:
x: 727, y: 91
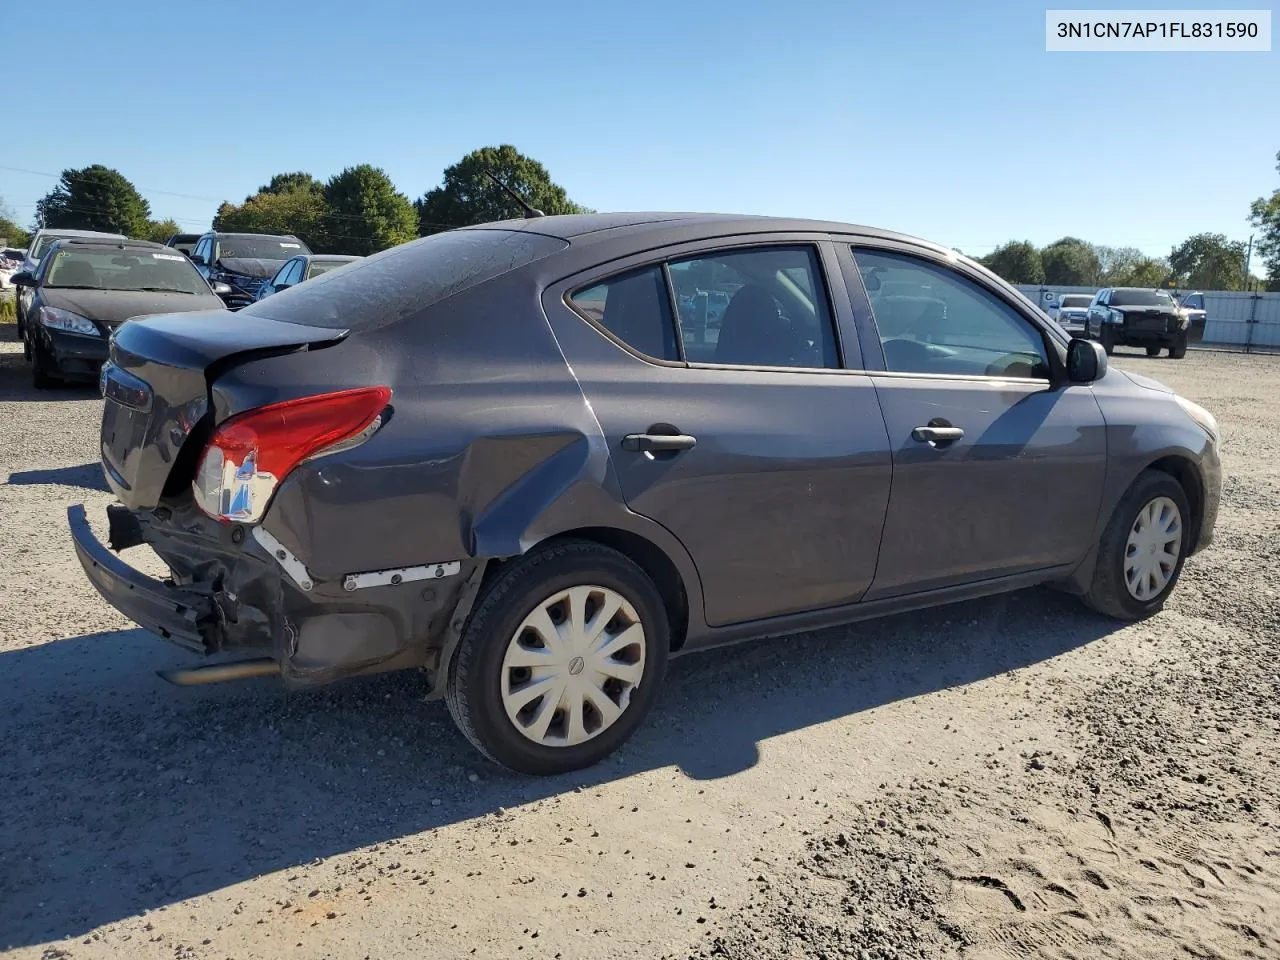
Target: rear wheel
x: 1153, y: 351
x: 1178, y: 349
x: 1142, y: 549
x: 561, y: 659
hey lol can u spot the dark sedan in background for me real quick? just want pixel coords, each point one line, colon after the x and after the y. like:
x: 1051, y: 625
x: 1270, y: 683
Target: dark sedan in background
x: 243, y: 261
x: 511, y: 455
x: 83, y: 290
x: 303, y: 268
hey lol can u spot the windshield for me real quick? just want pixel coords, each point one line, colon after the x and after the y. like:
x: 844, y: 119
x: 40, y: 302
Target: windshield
x: 405, y: 280
x: 259, y: 248
x: 1141, y: 298
x: 163, y: 272
x: 1074, y: 301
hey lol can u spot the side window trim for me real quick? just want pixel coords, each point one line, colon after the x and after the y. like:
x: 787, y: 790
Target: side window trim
x: 829, y: 270
x: 868, y: 331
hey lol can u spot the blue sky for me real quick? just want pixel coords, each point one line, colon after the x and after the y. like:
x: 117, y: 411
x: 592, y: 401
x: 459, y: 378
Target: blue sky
x: 947, y: 120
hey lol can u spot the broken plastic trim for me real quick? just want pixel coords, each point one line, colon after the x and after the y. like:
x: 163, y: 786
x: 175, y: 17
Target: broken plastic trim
x: 292, y: 566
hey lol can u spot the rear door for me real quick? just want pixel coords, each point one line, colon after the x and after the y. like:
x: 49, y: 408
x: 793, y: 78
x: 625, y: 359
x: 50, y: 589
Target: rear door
x: 997, y: 468
x: 742, y: 433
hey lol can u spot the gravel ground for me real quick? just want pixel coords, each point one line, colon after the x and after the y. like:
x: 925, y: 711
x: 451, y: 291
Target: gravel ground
x: 1013, y: 777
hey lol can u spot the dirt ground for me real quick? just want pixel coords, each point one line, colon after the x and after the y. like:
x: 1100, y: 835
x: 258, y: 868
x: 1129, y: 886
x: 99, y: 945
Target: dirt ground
x: 1013, y: 777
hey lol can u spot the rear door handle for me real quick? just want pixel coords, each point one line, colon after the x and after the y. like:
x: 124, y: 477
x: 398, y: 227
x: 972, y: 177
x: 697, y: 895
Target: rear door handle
x: 937, y: 434
x: 645, y: 442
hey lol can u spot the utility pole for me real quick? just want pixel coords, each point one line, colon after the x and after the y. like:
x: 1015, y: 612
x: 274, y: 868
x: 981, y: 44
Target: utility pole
x: 1247, y: 257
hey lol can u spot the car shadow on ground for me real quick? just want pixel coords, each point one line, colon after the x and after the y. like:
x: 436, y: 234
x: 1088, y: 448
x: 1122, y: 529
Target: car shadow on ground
x: 122, y: 794
x: 15, y: 378
x: 87, y: 475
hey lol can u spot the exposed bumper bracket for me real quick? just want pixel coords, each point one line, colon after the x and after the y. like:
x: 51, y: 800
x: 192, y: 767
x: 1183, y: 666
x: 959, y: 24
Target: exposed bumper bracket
x: 384, y: 578
x: 294, y: 568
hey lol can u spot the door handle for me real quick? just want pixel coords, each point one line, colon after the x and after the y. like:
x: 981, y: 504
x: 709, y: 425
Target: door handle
x: 649, y: 442
x: 937, y: 434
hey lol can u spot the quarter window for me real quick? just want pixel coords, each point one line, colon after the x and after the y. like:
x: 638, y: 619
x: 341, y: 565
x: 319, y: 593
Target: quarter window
x: 933, y: 320
x: 636, y: 309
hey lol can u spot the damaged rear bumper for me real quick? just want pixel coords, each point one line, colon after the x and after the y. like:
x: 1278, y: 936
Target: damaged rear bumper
x: 228, y: 591
x: 167, y: 611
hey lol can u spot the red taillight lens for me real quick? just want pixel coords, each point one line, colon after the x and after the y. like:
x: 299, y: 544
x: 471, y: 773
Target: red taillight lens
x: 250, y: 453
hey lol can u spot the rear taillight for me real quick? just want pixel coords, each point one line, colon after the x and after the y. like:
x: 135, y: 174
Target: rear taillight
x: 252, y: 452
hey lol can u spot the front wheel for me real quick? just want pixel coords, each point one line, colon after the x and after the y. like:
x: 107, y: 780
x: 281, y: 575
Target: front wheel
x: 561, y: 659
x: 41, y: 377
x: 1142, y: 549
x: 1178, y: 349
x: 1153, y: 351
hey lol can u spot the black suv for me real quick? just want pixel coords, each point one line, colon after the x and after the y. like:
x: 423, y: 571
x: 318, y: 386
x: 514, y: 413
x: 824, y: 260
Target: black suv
x: 243, y: 261
x: 1137, y: 317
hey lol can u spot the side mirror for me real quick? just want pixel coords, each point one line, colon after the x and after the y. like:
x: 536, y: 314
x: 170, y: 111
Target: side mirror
x: 1086, y: 361
x: 196, y: 258
x: 222, y: 289
x: 282, y: 286
x: 23, y: 279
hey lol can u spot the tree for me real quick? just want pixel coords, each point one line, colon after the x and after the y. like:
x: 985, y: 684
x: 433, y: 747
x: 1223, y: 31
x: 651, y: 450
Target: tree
x: 1264, y: 215
x: 95, y: 198
x: 10, y: 232
x: 297, y: 212
x: 159, y: 231
x: 1070, y: 262
x: 289, y: 182
x: 467, y: 196
x: 1208, y: 261
x: 364, y: 213
x: 1018, y: 261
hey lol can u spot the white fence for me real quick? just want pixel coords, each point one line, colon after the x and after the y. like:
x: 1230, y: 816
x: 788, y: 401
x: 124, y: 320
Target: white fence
x: 1233, y: 319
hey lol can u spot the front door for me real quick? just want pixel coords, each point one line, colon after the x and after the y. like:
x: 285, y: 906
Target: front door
x: 996, y: 471
x: 738, y: 432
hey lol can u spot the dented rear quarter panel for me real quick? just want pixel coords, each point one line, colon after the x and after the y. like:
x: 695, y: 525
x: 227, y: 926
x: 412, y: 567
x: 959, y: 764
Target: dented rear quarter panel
x: 489, y: 448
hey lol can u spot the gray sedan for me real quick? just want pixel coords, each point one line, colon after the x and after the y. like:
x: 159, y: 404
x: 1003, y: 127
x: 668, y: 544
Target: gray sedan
x: 519, y: 457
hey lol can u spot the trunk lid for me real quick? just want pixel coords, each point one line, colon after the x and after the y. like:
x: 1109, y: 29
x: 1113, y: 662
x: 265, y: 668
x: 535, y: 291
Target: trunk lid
x: 156, y: 390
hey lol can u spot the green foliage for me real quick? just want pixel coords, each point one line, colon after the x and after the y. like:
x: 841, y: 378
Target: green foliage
x: 1264, y: 215
x: 8, y: 310
x: 1071, y: 262
x: 364, y: 213
x: 1208, y: 261
x: 467, y: 196
x: 95, y: 198
x: 10, y: 232
x: 296, y: 212
x: 289, y: 182
x: 159, y: 231
x: 1018, y: 261
x: 1130, y: 267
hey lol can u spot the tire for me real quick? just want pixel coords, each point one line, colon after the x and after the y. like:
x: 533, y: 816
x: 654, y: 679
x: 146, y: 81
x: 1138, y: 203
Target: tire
x: 1178, y: 349
x: 479, y: 671
x: 41, y: 378
x: 1110, y: 593
x: 1153, y: 351
x: 1108, y: 339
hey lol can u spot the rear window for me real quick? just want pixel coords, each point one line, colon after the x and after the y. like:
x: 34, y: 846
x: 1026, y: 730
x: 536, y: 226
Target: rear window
x: 404, y: 280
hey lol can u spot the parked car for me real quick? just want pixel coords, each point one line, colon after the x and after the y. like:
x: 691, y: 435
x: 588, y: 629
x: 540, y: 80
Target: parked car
x: 1192, y: 307
x: 83, y: 290
x: 1137, y: 317
x: 40, y: 243
x: 302, y: 268
x: 243, y: 261
x: 1072, y: 311
x: 10, y: 263
x: 185, y: 242
x: 492, y: 453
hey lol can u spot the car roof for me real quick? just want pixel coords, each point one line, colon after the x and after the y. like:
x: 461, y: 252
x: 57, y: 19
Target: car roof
x: 335, y: 257
x: 84, y: 243
x: 242, y: 233
x: 59, y: 232
x: 584, y: 225
x: 1139, y: 290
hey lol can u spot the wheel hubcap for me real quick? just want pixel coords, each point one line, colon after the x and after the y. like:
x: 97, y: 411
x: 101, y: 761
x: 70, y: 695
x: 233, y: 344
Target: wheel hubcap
x: 571, y: 668
x: 1151, y: 553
